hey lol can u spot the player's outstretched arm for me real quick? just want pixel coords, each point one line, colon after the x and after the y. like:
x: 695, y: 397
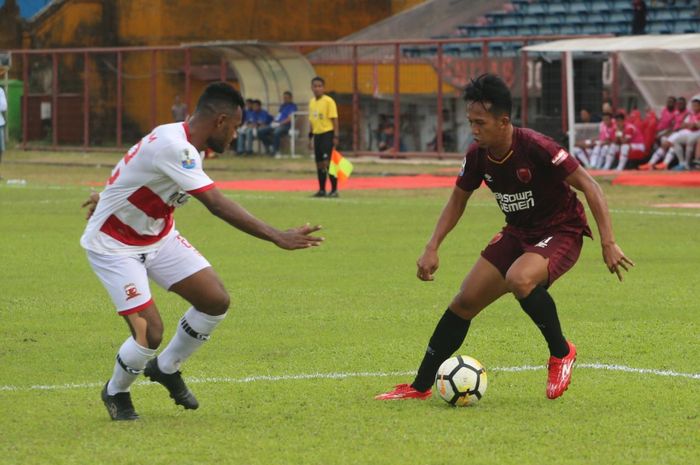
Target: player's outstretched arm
x: 239, y: 218
x: 429, y: 261
x: 614, y: 257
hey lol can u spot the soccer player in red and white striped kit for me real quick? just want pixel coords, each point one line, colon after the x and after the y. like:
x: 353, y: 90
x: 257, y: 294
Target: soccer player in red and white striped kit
x: 131, y: 237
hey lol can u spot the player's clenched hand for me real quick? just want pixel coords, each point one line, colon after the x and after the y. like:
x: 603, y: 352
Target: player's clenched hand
x: 91, y: 204
x: 428, y: 264
x: 615, y: 259
x: 299, y: 238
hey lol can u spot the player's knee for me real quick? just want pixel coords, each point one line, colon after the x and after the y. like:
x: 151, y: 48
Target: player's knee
x: 465, y: 307
x: 217, y: 304
x: 521, y: 285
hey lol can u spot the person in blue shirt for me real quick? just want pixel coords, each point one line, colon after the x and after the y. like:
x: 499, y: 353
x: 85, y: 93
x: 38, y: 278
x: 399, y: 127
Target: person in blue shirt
x: 245, y: 132
x: 272, y: 135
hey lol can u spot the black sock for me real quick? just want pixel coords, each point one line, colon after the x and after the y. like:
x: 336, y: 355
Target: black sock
x: 334, y: 182
x: 321, y: 173
x: 446, y: 339
x: 541, y: 308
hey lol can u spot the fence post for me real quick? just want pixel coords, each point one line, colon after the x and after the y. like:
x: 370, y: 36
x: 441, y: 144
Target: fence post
x: 524, y: 94
x: 54, y: 101
x: 154, y: 88
x: 120, y: 98
x: 439, y: 139
x: 86, y: 102
x: 355, y: 102
x: 25, y: 100
x: 397, y: 102
x: 188, y: 83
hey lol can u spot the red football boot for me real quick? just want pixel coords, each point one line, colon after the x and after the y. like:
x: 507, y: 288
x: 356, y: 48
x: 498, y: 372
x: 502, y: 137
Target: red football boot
x: 404, y: 391
x: 559, y: 375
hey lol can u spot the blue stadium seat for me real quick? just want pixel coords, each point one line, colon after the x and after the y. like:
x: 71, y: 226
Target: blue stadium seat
x: 557, y: 9
x: 511, y: 20
x: 579, y: 8
x: 536, y: 9
x: 595, y: 18
x: 600, y: 6
x: 658, y: 14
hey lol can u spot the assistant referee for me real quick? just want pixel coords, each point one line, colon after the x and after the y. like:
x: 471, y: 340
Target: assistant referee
x: 323, y: 116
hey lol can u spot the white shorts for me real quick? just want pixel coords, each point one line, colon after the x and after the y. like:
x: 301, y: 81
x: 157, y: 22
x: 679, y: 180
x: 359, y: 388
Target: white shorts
x: 126, y: 276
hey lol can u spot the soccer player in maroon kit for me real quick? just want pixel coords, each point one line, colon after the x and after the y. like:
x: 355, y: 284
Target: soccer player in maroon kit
x: 530, y: 176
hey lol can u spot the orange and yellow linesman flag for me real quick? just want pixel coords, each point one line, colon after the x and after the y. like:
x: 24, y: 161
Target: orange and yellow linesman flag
x: 340, y: 167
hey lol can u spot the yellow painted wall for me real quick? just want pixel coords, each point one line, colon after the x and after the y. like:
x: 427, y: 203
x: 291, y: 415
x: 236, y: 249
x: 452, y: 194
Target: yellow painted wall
x: 418, y: 78
x: 81, y: 23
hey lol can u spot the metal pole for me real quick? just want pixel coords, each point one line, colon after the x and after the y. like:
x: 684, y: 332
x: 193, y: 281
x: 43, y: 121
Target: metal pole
x: 614, y: 81
x: 355, y: 102
x: 54, y: 101
x: 292, y: 134
x: 524, y: 96
x: 86, y: 102
x: 485, y: 57
x: 570, y: 98
x: 119, y: 99
x: 397, y: 102
x: 563, y: 97
x: 25, y: 100
x: 188, y: 82
x: 438, y: 129
x: 154, y: 89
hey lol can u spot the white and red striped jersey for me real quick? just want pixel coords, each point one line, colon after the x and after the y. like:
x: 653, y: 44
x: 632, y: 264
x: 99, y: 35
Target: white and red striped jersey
x: 135, y: 211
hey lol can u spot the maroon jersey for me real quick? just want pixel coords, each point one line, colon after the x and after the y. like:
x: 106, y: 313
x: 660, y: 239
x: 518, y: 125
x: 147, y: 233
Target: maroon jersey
x: 529, y: 184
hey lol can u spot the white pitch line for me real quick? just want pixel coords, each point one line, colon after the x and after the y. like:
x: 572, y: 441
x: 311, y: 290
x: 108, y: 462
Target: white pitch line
x: 342, y: 375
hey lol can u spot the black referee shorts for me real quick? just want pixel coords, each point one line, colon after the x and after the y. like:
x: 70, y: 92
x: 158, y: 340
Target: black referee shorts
x: 323, y: 146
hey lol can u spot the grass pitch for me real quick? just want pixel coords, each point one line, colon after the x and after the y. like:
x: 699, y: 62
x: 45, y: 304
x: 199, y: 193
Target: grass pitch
x: 313, y: 335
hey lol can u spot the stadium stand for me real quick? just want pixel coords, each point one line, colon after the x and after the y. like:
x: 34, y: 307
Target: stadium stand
x: 562, y: 17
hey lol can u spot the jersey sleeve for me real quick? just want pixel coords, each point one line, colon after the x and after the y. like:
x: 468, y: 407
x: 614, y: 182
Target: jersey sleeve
x: 183, y: 165
x: 472, y: 174
x: 551, y: 154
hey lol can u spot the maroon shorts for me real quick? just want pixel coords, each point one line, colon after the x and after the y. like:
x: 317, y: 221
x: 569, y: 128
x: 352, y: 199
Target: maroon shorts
x: 561, y: 248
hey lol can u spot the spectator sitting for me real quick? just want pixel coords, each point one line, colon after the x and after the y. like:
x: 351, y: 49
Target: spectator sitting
x: 386, y: 139
x: 684, y: 141
x: 245, y: 132
x: 665, y: 151
x: 271, y: 135
x: 665, y: 124
x: 626, y: 138
x: 601, y: 146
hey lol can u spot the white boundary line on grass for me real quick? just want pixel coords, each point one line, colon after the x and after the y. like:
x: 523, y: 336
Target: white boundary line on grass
x: 342, y: 375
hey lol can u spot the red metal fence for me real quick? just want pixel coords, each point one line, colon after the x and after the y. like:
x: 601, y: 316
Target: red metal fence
x: 402, y: 94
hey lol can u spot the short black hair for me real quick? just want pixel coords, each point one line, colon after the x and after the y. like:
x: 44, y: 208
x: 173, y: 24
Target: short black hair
x: 319, y: 79
x: 620, y: 116
x: 489, y: 88
x: 286, y: 92
x: 219, y: 97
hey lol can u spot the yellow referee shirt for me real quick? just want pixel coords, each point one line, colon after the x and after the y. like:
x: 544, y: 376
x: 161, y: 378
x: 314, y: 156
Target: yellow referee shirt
x: 320, y: 113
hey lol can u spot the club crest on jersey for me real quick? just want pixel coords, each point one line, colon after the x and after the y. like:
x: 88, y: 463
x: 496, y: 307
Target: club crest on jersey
x: 524, y: 175
x: 131, y: 291
x: 188, y: 160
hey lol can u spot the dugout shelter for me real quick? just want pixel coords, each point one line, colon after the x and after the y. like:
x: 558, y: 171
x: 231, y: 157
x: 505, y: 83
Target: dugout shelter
x: 659, y: 65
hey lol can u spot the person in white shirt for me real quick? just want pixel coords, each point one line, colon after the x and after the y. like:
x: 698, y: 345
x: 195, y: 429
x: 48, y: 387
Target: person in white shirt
x: 3, y: 109
x: 131, y: 237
